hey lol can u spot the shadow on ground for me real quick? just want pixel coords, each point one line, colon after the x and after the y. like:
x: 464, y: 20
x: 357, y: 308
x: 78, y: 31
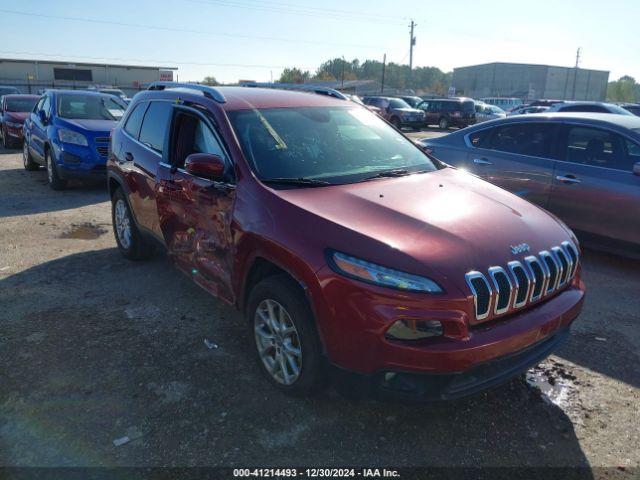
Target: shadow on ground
x: 95, y: 348
x: 25, y: 193
x: 606, y: 336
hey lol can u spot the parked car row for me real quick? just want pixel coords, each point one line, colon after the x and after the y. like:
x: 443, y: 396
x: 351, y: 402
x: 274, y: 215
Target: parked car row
x: 235, y: 183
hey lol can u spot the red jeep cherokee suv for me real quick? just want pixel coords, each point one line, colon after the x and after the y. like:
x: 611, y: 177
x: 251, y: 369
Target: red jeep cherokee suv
x: 343, y: 242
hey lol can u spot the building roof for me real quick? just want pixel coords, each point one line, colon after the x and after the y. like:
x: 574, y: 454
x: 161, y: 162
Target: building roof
x: 529, y: 65
x: 84, y: 64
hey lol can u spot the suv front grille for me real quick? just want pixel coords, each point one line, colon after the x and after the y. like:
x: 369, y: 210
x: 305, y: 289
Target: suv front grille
x: 522, y: 283
x: 102, y: 150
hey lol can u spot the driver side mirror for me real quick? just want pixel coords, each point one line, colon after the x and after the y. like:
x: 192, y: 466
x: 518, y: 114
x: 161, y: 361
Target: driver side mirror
x: 205, y: 165
x: 43, y: 117
x: 636, y: 168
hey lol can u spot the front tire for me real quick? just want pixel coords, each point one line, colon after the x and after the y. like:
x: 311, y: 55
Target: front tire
x: 286, y: 341
x: 54, y: 180
x: 27, y: 160
x: 130, y: 241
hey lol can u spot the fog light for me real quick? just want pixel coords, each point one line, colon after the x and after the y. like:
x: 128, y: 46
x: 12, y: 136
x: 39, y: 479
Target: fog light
x: 414, y: 329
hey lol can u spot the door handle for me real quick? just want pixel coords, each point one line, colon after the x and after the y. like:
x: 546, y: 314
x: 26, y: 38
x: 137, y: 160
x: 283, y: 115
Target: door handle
x: 482, y: 161
x: 568, y: 179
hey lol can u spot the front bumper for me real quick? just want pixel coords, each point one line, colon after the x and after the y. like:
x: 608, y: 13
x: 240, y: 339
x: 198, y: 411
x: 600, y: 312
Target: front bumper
x: 14, y: 132
x: 79, y: 162
x: 353, y: 322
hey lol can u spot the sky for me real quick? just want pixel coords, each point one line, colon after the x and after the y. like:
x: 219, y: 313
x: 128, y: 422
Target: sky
x: 256, y: 40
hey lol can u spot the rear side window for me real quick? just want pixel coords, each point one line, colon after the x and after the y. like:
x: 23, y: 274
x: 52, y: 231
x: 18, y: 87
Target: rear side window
x: 599, y: 148
x: 154, y: 125
x: 479, y: 139
x: 529, y: 139
x: 134, y: 122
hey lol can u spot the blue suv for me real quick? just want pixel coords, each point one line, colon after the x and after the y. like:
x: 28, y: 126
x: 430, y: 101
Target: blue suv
x: 68, y: 132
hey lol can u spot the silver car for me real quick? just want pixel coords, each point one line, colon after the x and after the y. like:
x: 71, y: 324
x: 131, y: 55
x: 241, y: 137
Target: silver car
x: 585, y: 168
x: 485, y: 112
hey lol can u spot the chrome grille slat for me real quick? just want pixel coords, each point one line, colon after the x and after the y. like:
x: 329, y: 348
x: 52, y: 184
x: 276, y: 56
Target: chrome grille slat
x: 495, y: 273
x: 520, y: 286
x: 480, y: 311
x: 522, y: 282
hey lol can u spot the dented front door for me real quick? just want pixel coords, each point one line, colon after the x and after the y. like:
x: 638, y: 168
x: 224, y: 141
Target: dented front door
x: 195, y: 217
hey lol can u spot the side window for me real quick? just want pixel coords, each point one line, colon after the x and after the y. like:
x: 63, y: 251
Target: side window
x: 154, y: 125
x: 531, y: 139
x: 479, y: 139
x: 591, y: 146
x: 584, y: 108
x: 134, y: 122
x: 191, y: 135
x: 633, y: 155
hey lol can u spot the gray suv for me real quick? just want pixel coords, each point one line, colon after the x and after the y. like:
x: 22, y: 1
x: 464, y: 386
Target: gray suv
x: 397, y: 111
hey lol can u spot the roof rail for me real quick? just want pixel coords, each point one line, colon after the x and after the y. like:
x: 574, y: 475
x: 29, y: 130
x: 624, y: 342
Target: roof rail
x: 305, y: 88
x: 210, y: 92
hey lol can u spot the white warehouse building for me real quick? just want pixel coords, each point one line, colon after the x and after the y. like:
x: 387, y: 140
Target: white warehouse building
x: 31, y: 76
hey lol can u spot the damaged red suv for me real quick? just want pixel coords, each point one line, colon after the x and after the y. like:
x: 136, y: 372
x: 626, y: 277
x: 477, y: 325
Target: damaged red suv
x: 349, y: 249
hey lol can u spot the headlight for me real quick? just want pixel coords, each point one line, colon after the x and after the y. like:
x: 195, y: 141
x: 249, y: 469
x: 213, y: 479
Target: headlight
x: 69, y: 136
x: 379, y: 275
x: 14, y: 125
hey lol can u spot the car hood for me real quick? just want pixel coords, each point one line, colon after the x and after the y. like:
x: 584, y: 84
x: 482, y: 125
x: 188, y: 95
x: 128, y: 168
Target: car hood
x: 447, y: 221
x: 17, y: 116
x: 90, y: 125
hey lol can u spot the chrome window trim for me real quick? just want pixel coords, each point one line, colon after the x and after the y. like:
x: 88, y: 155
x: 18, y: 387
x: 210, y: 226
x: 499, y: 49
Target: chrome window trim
x: 530, y: 280
x: 567, y: 245
x: 492, y: 274
x: 550, y: 288
x: 476, y: 274
x: 556, y: 252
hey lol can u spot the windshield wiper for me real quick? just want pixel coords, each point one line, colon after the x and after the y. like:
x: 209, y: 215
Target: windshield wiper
x: 307, y: 182
x: 397, y: 172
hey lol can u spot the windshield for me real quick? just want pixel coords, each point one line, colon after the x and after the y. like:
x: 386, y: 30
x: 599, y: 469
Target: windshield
x: 335, y: 144
x: 89, y: 107
x: 398, y: 103
x: 495, y: 109
x: 413, y: 101
x: 21, y: 104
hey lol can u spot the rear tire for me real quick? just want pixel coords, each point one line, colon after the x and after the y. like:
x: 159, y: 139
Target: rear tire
x: 287, y: 345
x: 27, y: 161
x: 443, y: 124
x: 54, y: 180
x: 130, y: 241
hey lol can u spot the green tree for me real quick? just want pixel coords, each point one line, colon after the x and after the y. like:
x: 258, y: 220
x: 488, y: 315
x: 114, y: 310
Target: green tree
x: 294, y: 75
x: 625, y: 89
x: 210, y: 80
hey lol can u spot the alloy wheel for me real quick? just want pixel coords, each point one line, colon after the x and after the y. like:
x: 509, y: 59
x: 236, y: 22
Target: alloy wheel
x: 278, y: 342
x: 123, y: 224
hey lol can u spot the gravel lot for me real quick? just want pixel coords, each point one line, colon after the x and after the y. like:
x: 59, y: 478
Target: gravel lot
x: 94, y: 347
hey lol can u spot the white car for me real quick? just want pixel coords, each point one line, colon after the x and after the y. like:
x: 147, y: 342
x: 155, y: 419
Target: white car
x: 485, y: 112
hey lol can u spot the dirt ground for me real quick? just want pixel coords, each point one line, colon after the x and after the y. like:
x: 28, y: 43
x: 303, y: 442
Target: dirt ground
x: 94, y: 348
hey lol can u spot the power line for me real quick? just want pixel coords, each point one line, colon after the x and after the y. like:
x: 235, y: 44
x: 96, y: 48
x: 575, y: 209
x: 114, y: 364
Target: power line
x: 165, y: 62
x: 303, y: 11
x: 182, y: 30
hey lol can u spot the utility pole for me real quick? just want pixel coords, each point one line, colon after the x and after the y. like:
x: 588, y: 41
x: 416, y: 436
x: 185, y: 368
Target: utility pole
x: 575, y: 74
x: 384, y: 66
x: 342, y: 80
x: 412, y: 42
